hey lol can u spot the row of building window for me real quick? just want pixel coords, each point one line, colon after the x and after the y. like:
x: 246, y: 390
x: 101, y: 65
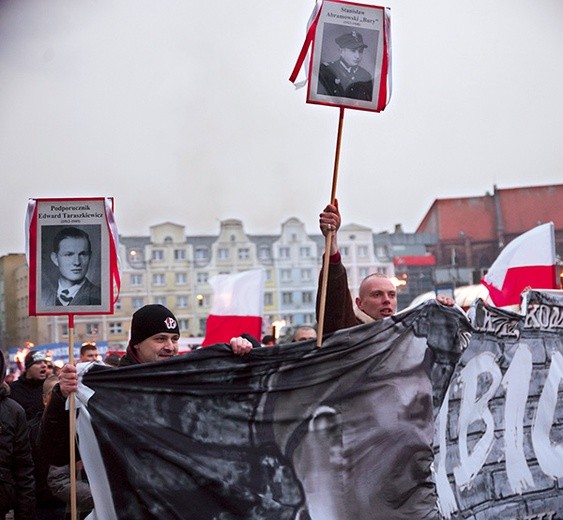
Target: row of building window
x: 159, y: 279
x: 223, y: 253
x: 243, y: 253
x: 136, y: 279
x: 182, y: 302
x: 116, y: 328
x: 288, y: 298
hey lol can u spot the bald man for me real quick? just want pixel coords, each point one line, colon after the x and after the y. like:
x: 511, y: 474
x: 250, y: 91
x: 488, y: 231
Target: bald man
x: 377, y: 296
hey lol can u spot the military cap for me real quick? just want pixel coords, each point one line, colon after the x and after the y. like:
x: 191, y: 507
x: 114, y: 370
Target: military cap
x: 352, y: 40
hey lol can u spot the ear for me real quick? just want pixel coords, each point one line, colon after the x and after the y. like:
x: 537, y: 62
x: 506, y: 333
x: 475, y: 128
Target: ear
x: 358, y: 303
x: 54, y: 259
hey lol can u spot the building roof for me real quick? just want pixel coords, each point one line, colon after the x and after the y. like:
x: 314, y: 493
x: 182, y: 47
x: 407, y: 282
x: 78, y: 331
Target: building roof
x: 519, y: 209
x: 525, y: 208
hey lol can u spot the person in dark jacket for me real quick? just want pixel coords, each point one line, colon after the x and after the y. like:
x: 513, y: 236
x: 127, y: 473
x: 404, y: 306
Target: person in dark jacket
x: 27, y: 391
x: 48, y: 507
x: 154, y: 337
x: 16, y: 465
x: 377, y: 295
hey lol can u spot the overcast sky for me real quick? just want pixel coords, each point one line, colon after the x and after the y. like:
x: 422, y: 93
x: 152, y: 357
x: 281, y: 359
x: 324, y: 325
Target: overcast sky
x: 183, y: 112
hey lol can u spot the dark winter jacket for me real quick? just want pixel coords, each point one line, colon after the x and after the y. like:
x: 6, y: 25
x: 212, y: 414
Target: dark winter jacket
x: 129, y: 358
x: 53, y: 439
x: 29, y: 394
x: 16, y: 465
x: 339, y: 309
x: 44, y: 498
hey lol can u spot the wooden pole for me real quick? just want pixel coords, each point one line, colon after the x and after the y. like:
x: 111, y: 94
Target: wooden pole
x: 72, y: 423
x: 328, y: 238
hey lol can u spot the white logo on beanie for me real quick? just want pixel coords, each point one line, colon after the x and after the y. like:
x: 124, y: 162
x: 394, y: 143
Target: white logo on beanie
x: 170, y: 323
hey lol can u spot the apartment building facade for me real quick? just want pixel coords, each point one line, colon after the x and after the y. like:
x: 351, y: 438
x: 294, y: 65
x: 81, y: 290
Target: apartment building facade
x: 171, y: 267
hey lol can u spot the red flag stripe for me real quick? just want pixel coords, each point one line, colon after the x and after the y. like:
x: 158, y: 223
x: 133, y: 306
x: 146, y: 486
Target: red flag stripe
x: 517, y: 279
x: 220, y: 329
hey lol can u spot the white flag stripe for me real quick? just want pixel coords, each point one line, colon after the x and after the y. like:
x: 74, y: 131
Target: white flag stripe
x: 239, y: 294
x: 533, y: 248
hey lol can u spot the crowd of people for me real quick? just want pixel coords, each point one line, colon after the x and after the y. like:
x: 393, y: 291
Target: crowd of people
x: 34, y: 434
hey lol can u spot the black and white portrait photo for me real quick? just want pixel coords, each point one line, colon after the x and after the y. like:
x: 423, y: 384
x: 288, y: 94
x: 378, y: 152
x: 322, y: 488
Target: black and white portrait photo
x: 350, y: 57
x: 72, y: 256
x: 345, y: 76
x: 71, y: 266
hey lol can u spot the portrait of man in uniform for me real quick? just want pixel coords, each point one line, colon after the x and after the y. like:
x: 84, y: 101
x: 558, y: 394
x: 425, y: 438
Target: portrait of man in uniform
x: 345, y: 77
x: 70, y: 254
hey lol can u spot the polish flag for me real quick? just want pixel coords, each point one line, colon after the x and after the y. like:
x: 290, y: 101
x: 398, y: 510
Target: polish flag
x: 527, y: 261
x: 237, y: 306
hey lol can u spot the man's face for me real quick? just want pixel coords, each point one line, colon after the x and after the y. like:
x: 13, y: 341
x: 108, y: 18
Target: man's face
x: 158, y: 347
x: 89, y: 355
x: 378, y: 297
x: 37, y: 371
x: 72, y: 259
x: 305, y: 334
x: 352, y: 57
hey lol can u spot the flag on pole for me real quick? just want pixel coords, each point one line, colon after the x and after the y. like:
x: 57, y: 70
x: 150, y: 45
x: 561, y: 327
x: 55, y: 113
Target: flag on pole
x: 527, y: 261
x: 237, y: 306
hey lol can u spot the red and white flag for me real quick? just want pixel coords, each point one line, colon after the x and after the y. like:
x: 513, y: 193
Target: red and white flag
x: 238, y: 301
x: 527, y: 261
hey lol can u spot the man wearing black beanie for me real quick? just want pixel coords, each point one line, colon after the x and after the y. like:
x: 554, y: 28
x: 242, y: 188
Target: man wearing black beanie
x: 154, y: 337
x: 28, y: 389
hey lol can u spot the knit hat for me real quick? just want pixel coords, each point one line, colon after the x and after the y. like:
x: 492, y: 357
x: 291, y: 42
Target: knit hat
x: 150, y: 320
x: 34, y: 357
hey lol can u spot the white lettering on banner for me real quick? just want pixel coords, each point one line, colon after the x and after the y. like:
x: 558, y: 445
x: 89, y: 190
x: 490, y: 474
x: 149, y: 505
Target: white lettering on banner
x: 448, y: 504
x: 472, y: 410
x: 516, y: 384
x: 544, y: 317
x: 500, y: 326
x: 550, y: 515
x: 550, y: 457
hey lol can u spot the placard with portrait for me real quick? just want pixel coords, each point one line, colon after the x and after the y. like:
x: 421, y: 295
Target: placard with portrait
x: 350, y: 56
x: 72, y: 255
